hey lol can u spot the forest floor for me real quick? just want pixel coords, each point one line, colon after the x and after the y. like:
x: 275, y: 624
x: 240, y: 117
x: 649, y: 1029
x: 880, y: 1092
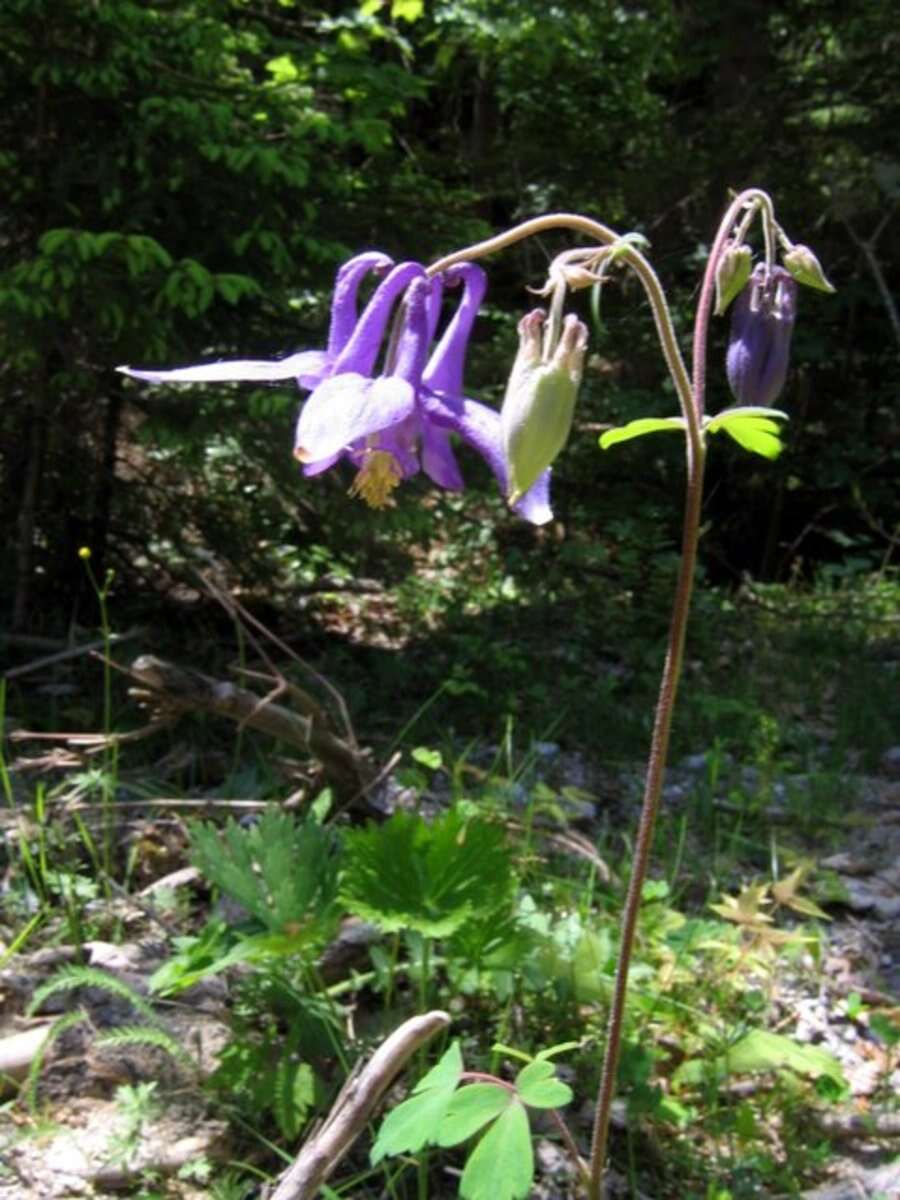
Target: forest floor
x: 93, y: 1109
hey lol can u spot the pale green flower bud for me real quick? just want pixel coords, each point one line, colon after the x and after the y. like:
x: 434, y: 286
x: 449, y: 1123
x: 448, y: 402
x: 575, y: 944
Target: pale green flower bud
x: 806, y: 268
x: 540, y: 399
x: 732, y: 273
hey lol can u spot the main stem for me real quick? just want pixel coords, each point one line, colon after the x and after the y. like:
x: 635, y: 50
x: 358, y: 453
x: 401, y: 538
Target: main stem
x: 659, y: 747
x: 692, y: 406
x: 690, y: 393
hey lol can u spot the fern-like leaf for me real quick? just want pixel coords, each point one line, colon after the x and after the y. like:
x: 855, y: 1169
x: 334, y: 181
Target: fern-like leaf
x: 76, y: 975
x: 145, y: 1035
x: 59, y: 1026
x: 283, y: 871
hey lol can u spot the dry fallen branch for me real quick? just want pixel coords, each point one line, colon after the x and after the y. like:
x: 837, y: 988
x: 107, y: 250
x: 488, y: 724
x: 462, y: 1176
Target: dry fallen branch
x: 174, y: 690
x: 851, y: 1125
x: 352, y: 1109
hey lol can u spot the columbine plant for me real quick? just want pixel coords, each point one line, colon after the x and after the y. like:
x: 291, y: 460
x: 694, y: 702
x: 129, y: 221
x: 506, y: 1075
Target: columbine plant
x: 392, y: 423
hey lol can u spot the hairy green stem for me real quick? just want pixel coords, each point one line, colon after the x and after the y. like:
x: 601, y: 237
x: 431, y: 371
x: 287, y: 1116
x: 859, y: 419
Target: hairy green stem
x: 659, y: 746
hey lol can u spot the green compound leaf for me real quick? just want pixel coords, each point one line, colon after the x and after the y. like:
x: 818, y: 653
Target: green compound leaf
x: 445, y: 1072
x: 501, y: 1167
x: 755, y: 429
x: 470, y: 1110
x: 538, y: 1086
x: 412, y: 1124
x: 433, y: 878
x: 635, y: 429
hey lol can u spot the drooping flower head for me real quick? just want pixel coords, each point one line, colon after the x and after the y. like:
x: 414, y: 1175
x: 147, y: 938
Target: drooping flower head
x: 540, y: 398
x: 761, y: 325
x: 390, y: 423
x: 476, y: 424
x: 372, y: 420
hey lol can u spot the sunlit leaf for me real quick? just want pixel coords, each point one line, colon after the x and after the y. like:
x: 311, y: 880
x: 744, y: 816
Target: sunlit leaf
x: 538, y: 1086
x: 432, y: 878
x: 470, y: 1109
x: 501, y: 1167
x: 761, y: 1050
x: 407, y: 10
x: 635, y: 429
x: 413, y: 1124
x: 755, y: 429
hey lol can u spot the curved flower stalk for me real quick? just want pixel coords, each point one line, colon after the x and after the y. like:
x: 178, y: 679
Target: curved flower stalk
x: 763, y: 321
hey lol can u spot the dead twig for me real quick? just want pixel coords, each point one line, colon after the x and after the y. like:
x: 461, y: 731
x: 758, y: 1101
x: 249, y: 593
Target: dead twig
x: 354, y: 1106
x: 48, y: 660
x: 174, y: 690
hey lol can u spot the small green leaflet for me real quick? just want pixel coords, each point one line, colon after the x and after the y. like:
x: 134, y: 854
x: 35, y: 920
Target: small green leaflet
x: 501, y: 1167
x: 439, y: 1112
x: 636, y: 429
x: 538, y: 1086
x: 470, y: 1110
x: 755, y: 429
x: 412, y: 1124
x: 428, y: 758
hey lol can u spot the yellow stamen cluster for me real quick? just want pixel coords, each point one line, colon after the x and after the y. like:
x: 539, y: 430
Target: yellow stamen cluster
x: 377, y: 477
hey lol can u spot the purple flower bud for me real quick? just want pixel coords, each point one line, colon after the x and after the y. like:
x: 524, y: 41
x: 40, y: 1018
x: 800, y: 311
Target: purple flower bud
x: 761, y: 325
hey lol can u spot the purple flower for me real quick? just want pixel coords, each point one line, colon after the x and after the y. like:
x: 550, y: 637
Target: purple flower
x: 447, y: 408
x: 761, y: 325
x: 308, y: 367
x: 390, y: 424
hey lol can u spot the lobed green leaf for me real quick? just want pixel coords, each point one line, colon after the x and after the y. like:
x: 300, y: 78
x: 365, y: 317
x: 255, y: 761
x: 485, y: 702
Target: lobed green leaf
x: 635, y: 429
x: 501, y: 1167
x: 470, y: 1109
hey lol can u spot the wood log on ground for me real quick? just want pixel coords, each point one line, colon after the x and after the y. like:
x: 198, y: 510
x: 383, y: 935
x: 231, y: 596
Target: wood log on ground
x: 173, y: 690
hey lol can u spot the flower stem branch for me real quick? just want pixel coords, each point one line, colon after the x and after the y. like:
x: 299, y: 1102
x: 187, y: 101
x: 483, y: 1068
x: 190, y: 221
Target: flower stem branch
x: 752, y: 199
x: 639, y: 264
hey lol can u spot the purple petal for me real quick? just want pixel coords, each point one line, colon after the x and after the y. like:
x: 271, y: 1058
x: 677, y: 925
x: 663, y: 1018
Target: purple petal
x: 438, y: 458
x: 412, y: 348
x: 434, y: 305
x: 307, y: 362
x: 444, y: 372
x: 534, y: 506
x: 348, y: 407
x: 479, y: 427
x: 761, y: 325
x: 400, y: 442
x: 361, y: 351
x: 322, y: 464
x: 346, y: 289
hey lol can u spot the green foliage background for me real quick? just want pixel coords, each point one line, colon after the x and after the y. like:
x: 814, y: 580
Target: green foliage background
x: 181, y: 181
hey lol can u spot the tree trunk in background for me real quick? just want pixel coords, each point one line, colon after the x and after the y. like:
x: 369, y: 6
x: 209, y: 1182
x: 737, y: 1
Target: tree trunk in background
x: 35, y: 437
x: 106, y: 477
